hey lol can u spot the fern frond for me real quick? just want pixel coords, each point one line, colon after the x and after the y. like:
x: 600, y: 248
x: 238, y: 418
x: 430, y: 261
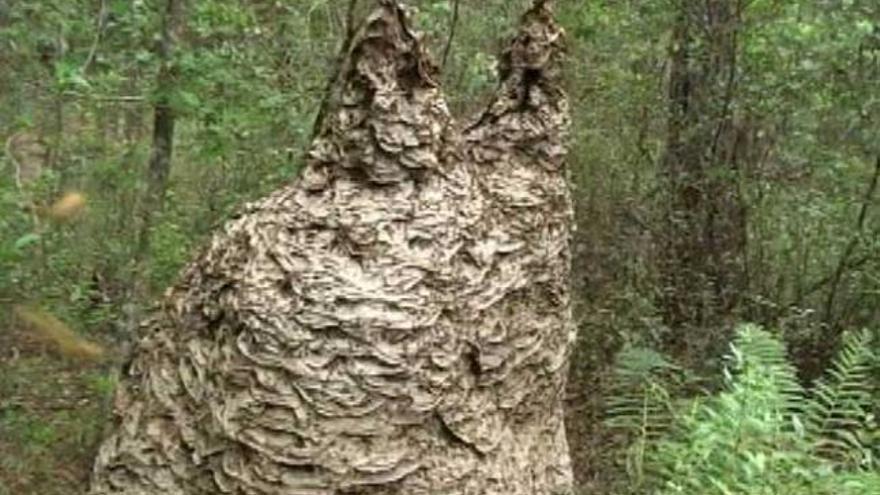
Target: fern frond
x: 746, y: 436
x: 755, y: 349
x: 640, y: 402
x: 840, y: 419
x: 861, y: 483
x: 764, y: 434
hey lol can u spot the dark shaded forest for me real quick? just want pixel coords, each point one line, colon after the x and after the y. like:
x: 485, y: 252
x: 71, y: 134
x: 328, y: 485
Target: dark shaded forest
x: 723, y: 160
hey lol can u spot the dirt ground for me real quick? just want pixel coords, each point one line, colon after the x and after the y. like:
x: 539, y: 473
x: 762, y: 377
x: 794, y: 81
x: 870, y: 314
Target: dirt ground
x: 53, y: 411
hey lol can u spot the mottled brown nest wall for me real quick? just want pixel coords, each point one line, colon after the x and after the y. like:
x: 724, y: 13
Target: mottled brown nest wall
x: 396, y: 321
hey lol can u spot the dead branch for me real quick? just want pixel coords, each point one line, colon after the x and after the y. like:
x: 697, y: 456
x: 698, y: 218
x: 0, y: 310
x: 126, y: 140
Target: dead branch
x: 106, y: 98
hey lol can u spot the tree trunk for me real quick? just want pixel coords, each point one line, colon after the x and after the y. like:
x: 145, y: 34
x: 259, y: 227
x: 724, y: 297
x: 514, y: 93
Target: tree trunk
x: 397, y: 321
x: 159, y: 167
x: 702, y: 250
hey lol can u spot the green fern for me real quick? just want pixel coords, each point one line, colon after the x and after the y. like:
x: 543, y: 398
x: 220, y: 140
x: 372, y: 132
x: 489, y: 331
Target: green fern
x: 839, y: 416
x: 756, y: 352
x: 640, y: 404
x: 640, y: 400
x: 763, y: 434
x: 743, y: 440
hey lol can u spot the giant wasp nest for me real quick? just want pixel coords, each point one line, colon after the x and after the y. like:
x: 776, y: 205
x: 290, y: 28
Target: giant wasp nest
x: 396, y: 321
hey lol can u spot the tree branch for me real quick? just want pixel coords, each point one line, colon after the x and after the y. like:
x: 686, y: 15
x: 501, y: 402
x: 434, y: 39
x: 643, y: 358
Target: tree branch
x: 99, y: 33
x: 14, y: 162
x: 350, y: 31
x: 853, y: 243
x: 106, y: 98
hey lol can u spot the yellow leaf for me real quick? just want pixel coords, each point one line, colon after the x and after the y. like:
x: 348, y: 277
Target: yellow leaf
x: 68, y: 207
x: 51, y: 330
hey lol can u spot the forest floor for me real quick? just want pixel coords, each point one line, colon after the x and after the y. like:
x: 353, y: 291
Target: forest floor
x: 592, y: 446
x: 54, y: 410
x: 52, y: 413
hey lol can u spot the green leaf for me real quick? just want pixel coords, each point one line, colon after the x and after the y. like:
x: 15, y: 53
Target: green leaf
x: 26, y: 240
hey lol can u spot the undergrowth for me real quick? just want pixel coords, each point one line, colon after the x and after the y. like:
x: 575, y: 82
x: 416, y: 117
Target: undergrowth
x: 763, y: 434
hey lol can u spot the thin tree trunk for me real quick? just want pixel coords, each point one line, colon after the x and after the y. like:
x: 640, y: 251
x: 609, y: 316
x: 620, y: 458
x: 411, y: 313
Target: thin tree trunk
x: 702, y: 256
x: 848, y: 251
x: 453, y: 24
x: 159, y: 166
x: 350, y: 31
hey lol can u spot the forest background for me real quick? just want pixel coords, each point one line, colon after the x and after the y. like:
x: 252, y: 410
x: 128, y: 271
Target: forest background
x: 724, y: 159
